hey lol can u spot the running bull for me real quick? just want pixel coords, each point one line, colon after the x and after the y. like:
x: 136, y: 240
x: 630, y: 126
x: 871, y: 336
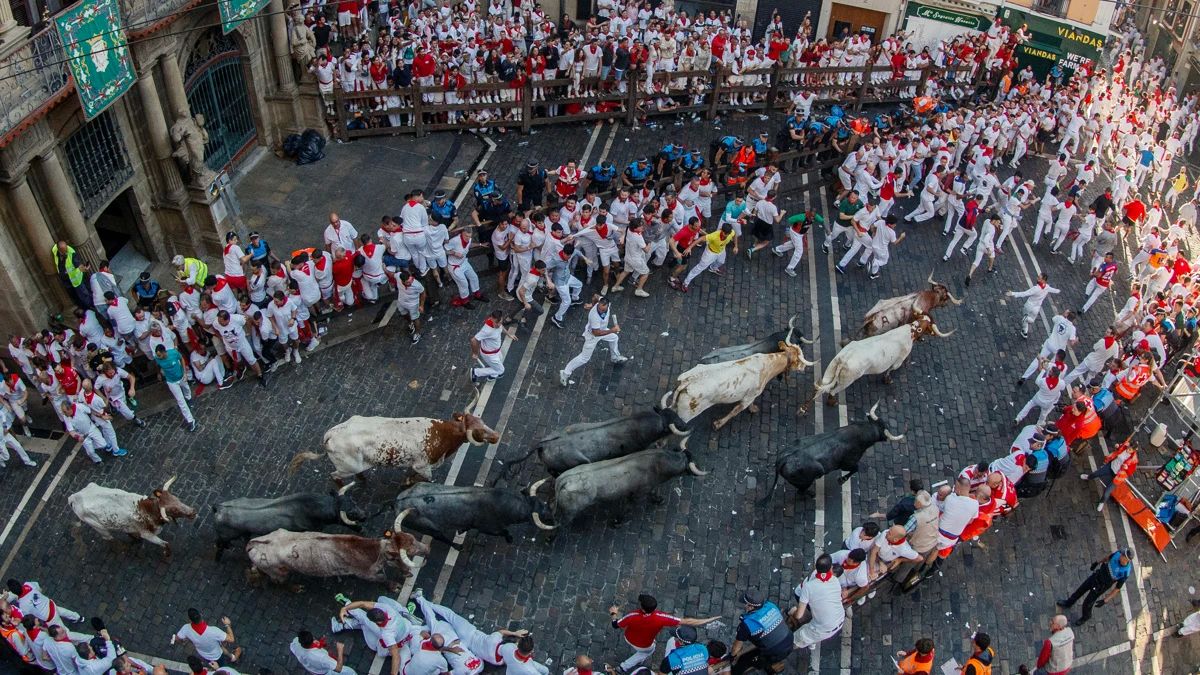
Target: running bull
x: 615, y: 480
x: 738, y: 382
x: 838, y: 450
x: 442, y: 511
x: 315, y: 554
x: 250, y: 517
x: 578, y: 444
x: 108, y: 510
x: 767, y: 345
x: 892, y: 312
x: 872, y: 356
x: 418, y: 443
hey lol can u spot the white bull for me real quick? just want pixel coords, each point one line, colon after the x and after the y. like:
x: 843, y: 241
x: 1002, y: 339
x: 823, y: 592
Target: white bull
x: 738, y: 382
x: 109, y: 511
x: 873, y: 355
x: 417, y: 443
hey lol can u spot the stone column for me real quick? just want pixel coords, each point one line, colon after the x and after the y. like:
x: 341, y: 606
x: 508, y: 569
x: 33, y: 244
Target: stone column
x: 160, y: 137
x: 173, y: 81
x: 7, y: 25
x: 29, y: 214
x: 279, y: 45
x: 69, y: 210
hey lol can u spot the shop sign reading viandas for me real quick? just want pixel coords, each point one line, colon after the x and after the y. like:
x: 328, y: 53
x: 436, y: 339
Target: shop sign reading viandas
x: 97, y: 52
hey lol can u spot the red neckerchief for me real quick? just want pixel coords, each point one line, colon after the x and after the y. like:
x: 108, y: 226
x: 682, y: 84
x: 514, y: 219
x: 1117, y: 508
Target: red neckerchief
x: 849, y: 564
x: 534, y: 271
x: 562, y: 254
x: 113, y: 302
x: 318, y: 644
x: 490, y: 322
x: 33, y: 632
x: 200, y: 627
x: 523, y: 658
x: 1108, y: 341
x: 26, y: 589
x: 369, y: 249
x: 463, y: 239
x: 1052, y: 382
x: 73, y: 407
x: 824, y: 576
x: 228, y: 246
x: 602, y: 230
x: 320, y: 264
x: 412, y: 202
x: 383, y: 623
x: 923, y: 658
x: 1041, y: 284
x: 427, y: 646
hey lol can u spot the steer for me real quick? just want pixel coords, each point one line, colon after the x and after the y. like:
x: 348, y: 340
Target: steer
x: 417, y: 443
x: 838, y: 450
x: 108, y: 510
x: 615, y: 481
x: 892, y: 312
x: 738, y: 382
x: 442, y: 511
x: 315, y: 554
x: 767, y: 345
x: 872, y: 356
x: 589, y: 442
x: 249, y: 517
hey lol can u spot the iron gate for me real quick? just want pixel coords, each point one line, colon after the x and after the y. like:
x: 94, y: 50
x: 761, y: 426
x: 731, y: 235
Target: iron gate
x: 216, y: 89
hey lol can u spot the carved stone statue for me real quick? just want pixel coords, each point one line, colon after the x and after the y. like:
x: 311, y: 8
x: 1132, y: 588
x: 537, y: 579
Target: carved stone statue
x: 189, y: 136
x: 304, y: 42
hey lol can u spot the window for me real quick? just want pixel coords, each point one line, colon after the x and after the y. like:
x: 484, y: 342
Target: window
x: 1177, y: 21
x: 31, y: 12
x: 1052, y: 7
x: 99, y: 163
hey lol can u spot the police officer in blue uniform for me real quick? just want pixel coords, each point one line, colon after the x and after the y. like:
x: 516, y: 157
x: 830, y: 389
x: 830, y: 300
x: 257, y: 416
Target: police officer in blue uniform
x: 687, y: 657
x: 725, y: 145
x: 691, y: 165
x: 1108, y: 574
x: 668, y: 160
x: 637, y: 172
x: 763, y: 640
x: 483, y: 186
x: 442, y: 210
x: 601, y: 177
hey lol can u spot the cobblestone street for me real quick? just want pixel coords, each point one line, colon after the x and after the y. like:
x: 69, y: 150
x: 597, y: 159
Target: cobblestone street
x: 954, y: 400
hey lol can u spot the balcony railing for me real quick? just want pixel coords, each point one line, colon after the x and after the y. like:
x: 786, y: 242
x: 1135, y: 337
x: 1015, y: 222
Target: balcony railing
x: 142, y: 15
x: 30, y: 77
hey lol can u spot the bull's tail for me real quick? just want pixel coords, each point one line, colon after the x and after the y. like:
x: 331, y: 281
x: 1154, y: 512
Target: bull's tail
x: 770, y: 491
x: 301, y: 458
x: 508, y: 466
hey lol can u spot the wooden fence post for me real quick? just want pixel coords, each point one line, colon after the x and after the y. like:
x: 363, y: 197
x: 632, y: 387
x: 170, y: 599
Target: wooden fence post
x: 716, y: 81
x: 418, y: 111
x: 862, y: 89
x: 339, y: 103
x: 773, y: 91
x: 631, y: 100
x: 526, y: 106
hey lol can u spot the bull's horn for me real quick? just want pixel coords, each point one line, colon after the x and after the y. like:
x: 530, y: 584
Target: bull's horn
x: 162, y: 512
x: 787, y: 339
x: 409, y: 562
x: 891, y: 436
x: 805, y: 362
x: 938, y: 332
x: 809, y: 342
x: 953, y: 299
x: 666, y: 397
x: 930, y: 280
x: 167, y: 485
x: 471, y: 438
x: 537, y: 520
x: 346, y: 519
x: 871, y: 413
x: 696, y: 470
x: 400, y: 520
x: 534, y: 488
x: 683, y: 443
x: 345, y: 488
x: 677, y: 431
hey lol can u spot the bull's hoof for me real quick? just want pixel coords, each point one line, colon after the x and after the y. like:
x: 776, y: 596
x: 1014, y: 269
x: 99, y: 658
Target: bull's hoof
x: 717, y: 425
x: 753, y: 408
x: 887, y: 379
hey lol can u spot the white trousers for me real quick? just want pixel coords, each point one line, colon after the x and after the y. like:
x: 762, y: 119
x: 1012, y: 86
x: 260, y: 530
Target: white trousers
x: 213, y: 373
x: 707, y: 259
x: 795, y: 244
x: 493, y: 366
x: 1077, y: 247
x: 959, y: 232
x: 1094, y: 291
x: 465, y: 278
x: 589, y: 345
x: 182, y: 393
x: 10, y: 443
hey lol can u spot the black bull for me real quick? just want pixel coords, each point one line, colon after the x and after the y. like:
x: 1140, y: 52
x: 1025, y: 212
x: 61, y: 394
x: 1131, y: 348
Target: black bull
x: 442, y: 511
x: 591, y: 442
x: 838, y: 450
x: 250, y: 517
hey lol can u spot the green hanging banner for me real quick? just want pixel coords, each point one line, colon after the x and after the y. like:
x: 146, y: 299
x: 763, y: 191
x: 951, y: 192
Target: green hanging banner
x: 97, y: 53
x: 234, y: 12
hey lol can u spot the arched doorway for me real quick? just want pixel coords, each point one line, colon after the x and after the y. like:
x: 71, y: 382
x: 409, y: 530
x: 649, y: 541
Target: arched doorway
x: 216, y: 89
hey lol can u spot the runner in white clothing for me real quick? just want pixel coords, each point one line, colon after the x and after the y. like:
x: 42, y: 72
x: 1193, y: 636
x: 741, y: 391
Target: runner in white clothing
x: 1062, y: 336
x: 485, y: 348
x: 1034, y: 296
x: 486, y: 646
x: 821, y: 595
x: 597, y: 330
x: 313, y: 657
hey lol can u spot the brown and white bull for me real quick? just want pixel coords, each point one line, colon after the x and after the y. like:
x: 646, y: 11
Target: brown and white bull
x: 878, y: 354
x: 892, y: 312
x: 109, y: 511
x: 737, y: 382
x: 416, y: 443
x: 316, y: 554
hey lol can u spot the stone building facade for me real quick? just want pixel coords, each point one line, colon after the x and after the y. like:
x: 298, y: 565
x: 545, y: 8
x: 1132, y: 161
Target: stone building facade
x: 114, y: 183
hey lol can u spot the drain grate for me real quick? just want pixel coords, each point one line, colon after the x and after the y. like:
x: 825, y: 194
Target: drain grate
x: 1058, y: 532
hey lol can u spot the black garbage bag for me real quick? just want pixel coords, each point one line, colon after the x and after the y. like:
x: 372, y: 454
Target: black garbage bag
x: 291, y: 145
x: 312, y: 147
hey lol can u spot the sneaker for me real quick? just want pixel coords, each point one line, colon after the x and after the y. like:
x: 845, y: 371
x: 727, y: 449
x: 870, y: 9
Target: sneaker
x: 120, y: 452
x: 750, y: 253
x: 789, y: 271
x: 825, y: 248
x: 1062, y: 603
x: 192, y: 426
x: 719, y: 271
x: 641, y: 294
x: 1100, y: 507
x: 993, y: 270
x: 418, y: 592
x: 604, y: 290
x: 1083, y: 476
x: 313, y: 345
x: 1020, y: 382
x: 296, y: 355
x: 335, y: 626
x: 967, y: 282
x: 682, y: 288
x: 556, y: 322
x: 620, y: 359
x: 226, y: 383
x: 617, y: 289
x: 840, y: 269
x: 1025, y: 334
x: 861, y: 264
x: 563, y: 377
x: 504, y: 296
x: 29, y: 462
x: 341, y: 599
x: 673, y: 282
x: 777, y: 252
x: 139, y: 422
x: 416, y: 337
x: 861, y: 601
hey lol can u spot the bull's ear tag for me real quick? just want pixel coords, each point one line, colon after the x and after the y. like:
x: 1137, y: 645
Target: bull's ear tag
x: 388, y: 534
x: 158, y: 493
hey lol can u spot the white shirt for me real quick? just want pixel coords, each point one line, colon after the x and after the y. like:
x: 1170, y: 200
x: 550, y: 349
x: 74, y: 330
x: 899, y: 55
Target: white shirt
x: 414, y: 218
x: 888, y: 551
x: 315, y: 660
x: 489, y: 339
x: 344, y: 236
x: 957, y: 511
x: 425, y: 660
x: 120, y: 316
x: 856, y: 540
x: 596, y: 322
x: 514, y: 665
x: 858, y: 577
x: 234, y: 332
x: 1061, y: 333
x: 824, y: 600
x: 766, y: 211
x: 232, y: 258
x: 207, y: 643
x: 113, y: 387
